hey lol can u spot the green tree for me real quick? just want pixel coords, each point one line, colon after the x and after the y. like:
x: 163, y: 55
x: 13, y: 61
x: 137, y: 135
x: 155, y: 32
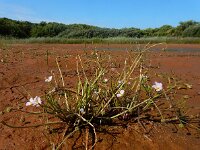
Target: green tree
x: 165, y: 30
x: 192, y: 31
x: 184, y: 25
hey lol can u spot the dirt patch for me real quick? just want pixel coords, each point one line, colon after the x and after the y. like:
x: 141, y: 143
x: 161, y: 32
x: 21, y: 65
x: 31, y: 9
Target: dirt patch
x: 23, y: 68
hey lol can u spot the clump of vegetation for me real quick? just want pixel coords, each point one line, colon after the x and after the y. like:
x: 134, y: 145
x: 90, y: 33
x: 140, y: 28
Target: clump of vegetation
x: 109, y: 96
x: 114, y: 40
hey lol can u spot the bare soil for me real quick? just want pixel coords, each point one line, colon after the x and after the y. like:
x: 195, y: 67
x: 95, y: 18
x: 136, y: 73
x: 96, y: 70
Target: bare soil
x: 23, y: 68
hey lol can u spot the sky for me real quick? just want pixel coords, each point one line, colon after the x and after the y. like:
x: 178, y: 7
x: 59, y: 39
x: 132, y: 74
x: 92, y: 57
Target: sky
x: 103, y: 13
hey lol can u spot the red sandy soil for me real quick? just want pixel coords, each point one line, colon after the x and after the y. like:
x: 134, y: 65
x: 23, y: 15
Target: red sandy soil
x: 24, y: 68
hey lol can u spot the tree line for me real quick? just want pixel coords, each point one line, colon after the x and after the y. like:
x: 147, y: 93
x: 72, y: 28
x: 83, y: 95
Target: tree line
x: 25, y: 29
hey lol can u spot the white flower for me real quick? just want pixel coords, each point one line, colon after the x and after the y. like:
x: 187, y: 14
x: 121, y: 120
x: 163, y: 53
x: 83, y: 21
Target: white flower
x: 48, y: 79
x: 121, y: 93
x: 31, y: 101
x: 34, y: 101
x: 105, y: 80
x: 157, y: 86
x: 82, y: 111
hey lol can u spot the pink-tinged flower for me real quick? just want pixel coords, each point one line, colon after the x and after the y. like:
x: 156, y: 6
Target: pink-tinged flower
x: 121, y: 93
x: 31, y: 101
x: 48, y: 79
x: 34, y: 101
x: 157, y: 86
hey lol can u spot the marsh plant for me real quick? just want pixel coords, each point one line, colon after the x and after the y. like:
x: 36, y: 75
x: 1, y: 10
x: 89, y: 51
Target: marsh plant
x: 111, y: 95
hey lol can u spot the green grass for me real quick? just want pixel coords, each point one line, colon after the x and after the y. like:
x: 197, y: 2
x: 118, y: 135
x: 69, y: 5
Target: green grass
x: 114, y: 40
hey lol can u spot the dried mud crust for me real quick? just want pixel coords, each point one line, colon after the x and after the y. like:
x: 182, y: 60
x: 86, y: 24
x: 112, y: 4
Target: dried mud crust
x: 23, y: 70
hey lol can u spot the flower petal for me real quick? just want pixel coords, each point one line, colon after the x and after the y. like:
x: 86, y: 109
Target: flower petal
x: 31, y: 100
x: 48, y: 79
x: 119, y: 95
x: 157, y: 86
x: 38, y: 100
x: 28, y: 103
x: 122, y: 92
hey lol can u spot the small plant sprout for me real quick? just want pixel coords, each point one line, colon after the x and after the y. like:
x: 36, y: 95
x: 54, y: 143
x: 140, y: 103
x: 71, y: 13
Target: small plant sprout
x: 48, y: 79
x: 34, y: 101
x: 157, y: 86
x: 121, y: 93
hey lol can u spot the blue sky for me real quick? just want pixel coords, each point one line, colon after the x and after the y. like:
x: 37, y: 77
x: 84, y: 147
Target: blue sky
x: 103, y: 13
